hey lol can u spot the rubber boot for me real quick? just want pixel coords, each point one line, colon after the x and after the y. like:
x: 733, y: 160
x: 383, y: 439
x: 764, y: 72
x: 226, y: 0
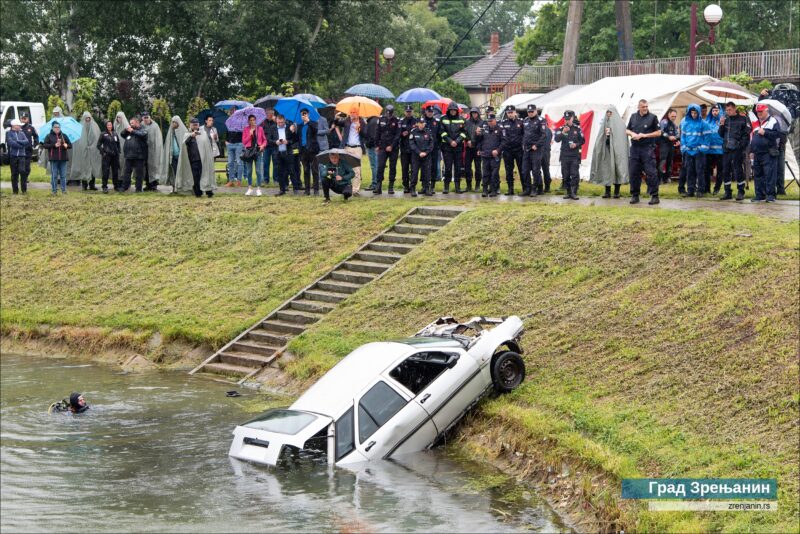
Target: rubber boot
x: 567, y: 192
x: 727, y: 196
x: 391, y: 187
x: 616, y: 190
x: 607, y: 194
x: 446, y: 190
x: 573, y: 193
x: 740, y: 195
x: 634, y: 199
x: 458, y: 190
x: 510, y: 188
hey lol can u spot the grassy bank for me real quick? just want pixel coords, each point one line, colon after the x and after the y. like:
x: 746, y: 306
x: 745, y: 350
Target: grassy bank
x: 664, y: 343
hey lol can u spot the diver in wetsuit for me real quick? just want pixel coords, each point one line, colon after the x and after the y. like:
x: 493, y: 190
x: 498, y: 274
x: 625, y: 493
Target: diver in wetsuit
x: 75, y: 404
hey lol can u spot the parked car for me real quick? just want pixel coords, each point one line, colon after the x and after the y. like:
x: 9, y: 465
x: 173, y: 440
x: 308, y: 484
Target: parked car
x: 390, y: 398
x: 14, y: 110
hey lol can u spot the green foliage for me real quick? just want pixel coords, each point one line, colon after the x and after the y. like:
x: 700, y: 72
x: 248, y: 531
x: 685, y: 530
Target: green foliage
x: 52, y: 102
x: 113, y: 108
x: 453, y: 90
x: 288, y: 88
x: 79, y: 107
x: 196, y: 105
x: 160, y: 111
x: 746, y: 81
x: 85, y: 89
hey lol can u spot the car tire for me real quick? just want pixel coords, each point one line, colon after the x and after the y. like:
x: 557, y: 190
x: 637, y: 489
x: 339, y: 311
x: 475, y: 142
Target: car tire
x: 508, y: 371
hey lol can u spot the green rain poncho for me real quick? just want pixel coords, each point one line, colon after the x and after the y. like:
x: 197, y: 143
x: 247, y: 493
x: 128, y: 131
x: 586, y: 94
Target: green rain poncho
x: 86, y: 158
x: 155, y: 142
x: 610, y: 155
x: 178, y: 134
x: 184, y: 180
x: 121, y: 123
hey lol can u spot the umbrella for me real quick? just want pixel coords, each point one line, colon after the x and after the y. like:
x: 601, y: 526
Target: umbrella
x: 228, y: 104
x: 268, y: 102
x: 328, y: 111
x: 324, y: 157
x: 69, y: 127
x: 418, y: 94
x: 371, y: 90
x: 366, y: 107
x: 780, y: 113
x: 291, y: 107
x: 440, y: 103
x: 239, y: 120
x: 721, y: 92
x: 311, y: 98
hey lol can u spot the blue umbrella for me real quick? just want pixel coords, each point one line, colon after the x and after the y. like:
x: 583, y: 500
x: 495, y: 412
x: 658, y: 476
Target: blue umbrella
x: 418, y: 94
x: 290, y: 108
x: 69, y: 127
x: 370, y: 90
x: 228, y: 104
x: 311, y: 98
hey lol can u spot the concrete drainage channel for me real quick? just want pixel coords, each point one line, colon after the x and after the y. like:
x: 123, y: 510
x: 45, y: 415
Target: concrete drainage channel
x: 264, y: 342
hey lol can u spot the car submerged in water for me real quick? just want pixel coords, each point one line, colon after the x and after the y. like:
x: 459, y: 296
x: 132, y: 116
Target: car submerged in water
x: 390, y: 398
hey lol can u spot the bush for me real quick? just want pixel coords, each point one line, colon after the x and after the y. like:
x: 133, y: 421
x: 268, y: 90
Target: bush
x: 160, y: 111
x: 746, y: 81
x: 453, y: 90
x: 80, y: 106
x: 113, y: 108
x: 196, y: 105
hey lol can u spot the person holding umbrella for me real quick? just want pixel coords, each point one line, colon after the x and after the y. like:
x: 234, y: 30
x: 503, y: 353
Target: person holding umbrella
x: 253, y: 142
x: 735, y: 132
x: 57, y: 144
x: 337, y: 173
x: 309, y: 148
x: 764, y: 153
x: 353, y: 139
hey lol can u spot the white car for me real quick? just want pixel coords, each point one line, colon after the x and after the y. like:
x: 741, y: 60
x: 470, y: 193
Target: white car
x: 390, y: 398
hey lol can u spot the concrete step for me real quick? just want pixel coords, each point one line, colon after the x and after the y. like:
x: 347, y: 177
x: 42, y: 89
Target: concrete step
x: 377, y: 257
x: 365, y: 266
x: 283, y: 327
x: 244, y: 359
x: 313, y: 306
x: 337, y: 286
x: 438, y: 212
x: 254, y: 347
x: 394, y: 248
x: 318, y: 295
x: 227, y: 369
x: 267, y: 337
x: 299, y: 317
x: 427, y: 220
x: 409, y: 239
x: 352, y: 277
x: 414, y: 229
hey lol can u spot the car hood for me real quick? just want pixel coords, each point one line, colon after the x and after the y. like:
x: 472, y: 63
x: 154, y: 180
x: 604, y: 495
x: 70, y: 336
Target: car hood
x: 264, y: 446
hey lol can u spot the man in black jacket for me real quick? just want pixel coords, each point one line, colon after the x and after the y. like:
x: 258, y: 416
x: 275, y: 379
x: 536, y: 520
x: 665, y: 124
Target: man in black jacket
x: 387, y: 143
x: 109, y: 146
x: 406, y: 125
x: 735, y: 132
x: 309, y: 148
x: 548, y: 140
x: 452, y: 135
x: 533, y: 139
x: 471, y: 152
x: 490, y: 148
x: 571, y: 138
x: 30, y: 133
x: 421, y: 144
x: 433, y: 125
x: 283, y: 138
x: 135, y: 154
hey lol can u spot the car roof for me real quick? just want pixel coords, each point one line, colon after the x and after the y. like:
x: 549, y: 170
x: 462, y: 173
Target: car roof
x: 332, y: 393
x: 430, y: 342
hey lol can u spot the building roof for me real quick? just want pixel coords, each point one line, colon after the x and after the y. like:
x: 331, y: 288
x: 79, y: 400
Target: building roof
x: 497, y: 69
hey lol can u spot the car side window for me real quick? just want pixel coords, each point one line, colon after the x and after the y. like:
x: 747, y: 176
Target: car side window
x: 376, y: 407
x: 420, y: 369
x: 25, y: 111
x: 345, y: 437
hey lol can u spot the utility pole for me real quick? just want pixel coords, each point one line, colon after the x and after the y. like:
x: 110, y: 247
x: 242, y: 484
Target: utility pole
x: 624, y: 31
x: 571, y: 36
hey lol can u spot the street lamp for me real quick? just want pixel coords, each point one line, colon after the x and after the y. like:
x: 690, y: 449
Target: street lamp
x: 388, y: 55
x: 712, y: 14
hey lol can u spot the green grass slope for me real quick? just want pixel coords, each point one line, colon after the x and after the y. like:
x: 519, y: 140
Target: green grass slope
x: 664, y: 344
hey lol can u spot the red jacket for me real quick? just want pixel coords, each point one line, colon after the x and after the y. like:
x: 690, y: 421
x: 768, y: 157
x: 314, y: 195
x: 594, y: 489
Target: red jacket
x: 247, y: 138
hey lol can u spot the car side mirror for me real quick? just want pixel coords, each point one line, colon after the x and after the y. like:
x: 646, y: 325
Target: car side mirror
x: 452, y: 360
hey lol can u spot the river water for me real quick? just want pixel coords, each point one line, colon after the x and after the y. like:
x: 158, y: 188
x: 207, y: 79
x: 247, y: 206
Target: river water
x: 151, y: 455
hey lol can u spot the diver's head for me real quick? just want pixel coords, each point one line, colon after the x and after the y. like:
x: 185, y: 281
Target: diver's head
x: 77, y: 403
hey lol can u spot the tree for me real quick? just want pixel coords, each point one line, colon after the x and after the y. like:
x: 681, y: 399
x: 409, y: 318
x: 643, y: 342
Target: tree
x: 451, y: 89
x: 746, y: 81
x: 160, y: 111
x: 113, y: 108
x: 196, y: 105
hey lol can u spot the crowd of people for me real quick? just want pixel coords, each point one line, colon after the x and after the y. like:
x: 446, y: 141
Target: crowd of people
x: 463, y: 149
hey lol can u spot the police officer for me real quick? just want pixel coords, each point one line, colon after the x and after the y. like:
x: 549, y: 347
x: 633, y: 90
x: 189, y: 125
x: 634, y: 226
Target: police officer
x: 512, y: 145
x: 420, y: 143
x: 452, y: 135
x: 548, y: 141
x: 533, y: 139
x: 490, y: 148
x: 471, y: 151
x: 406, y: 125
x: 571, y: 138
x: 387, y: 143
x: 432, y: 124
x: 643, y: 130
x: 735, y: 132
x: 764, y: 151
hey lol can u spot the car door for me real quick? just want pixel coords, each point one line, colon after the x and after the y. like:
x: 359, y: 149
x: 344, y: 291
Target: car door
x: 444, y: 394
x: 388, y: 423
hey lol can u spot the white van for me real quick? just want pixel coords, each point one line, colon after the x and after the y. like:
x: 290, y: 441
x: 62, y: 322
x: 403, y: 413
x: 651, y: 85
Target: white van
x: 11, y: 110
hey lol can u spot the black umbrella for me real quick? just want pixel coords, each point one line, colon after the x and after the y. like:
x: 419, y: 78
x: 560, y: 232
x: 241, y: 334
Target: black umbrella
x: 219, y: 119
x: 267, y: 102
x: 328, y: 112
x: 324, y: 157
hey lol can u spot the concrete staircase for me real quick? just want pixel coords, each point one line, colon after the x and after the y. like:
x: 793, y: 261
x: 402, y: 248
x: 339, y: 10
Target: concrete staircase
x: 264, y: 342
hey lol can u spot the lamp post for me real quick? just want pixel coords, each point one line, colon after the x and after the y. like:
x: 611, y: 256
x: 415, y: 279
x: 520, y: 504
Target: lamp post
x: 388, y: 55
x: 712, y: 14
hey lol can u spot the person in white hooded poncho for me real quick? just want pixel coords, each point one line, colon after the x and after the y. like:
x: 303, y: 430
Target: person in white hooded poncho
x: 171, y: 152
x: 196, y: 163
x: 86, y: 158
x: 154, y: 172
x: 120, y: 124
x: 610, y: 157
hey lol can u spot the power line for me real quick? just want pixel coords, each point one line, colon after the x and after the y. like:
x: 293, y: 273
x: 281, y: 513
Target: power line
x: 459, y: 42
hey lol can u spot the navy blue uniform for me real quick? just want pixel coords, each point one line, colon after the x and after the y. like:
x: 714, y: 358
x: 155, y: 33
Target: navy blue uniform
x: 512, y: 149
x: 406, y: 125
x: 420, y: 141
x: 571, y: 142
x: 765, y: 157
x: 534, y: 137
x: 387, y: 135
x: 490, y: 139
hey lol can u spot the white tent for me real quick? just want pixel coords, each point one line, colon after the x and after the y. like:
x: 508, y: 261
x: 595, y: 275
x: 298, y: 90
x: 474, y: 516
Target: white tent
x: 662, y: 91
x: 520, y: 101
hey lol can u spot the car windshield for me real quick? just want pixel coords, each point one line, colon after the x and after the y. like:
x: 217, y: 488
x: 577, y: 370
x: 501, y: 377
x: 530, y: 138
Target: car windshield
x: 288, y: 422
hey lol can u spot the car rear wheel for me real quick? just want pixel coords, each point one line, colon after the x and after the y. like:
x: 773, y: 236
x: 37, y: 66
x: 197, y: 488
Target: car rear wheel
x: 508, y: 371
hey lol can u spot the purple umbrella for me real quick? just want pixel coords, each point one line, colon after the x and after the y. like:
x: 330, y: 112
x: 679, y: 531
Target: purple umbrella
x: 239, y: 120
